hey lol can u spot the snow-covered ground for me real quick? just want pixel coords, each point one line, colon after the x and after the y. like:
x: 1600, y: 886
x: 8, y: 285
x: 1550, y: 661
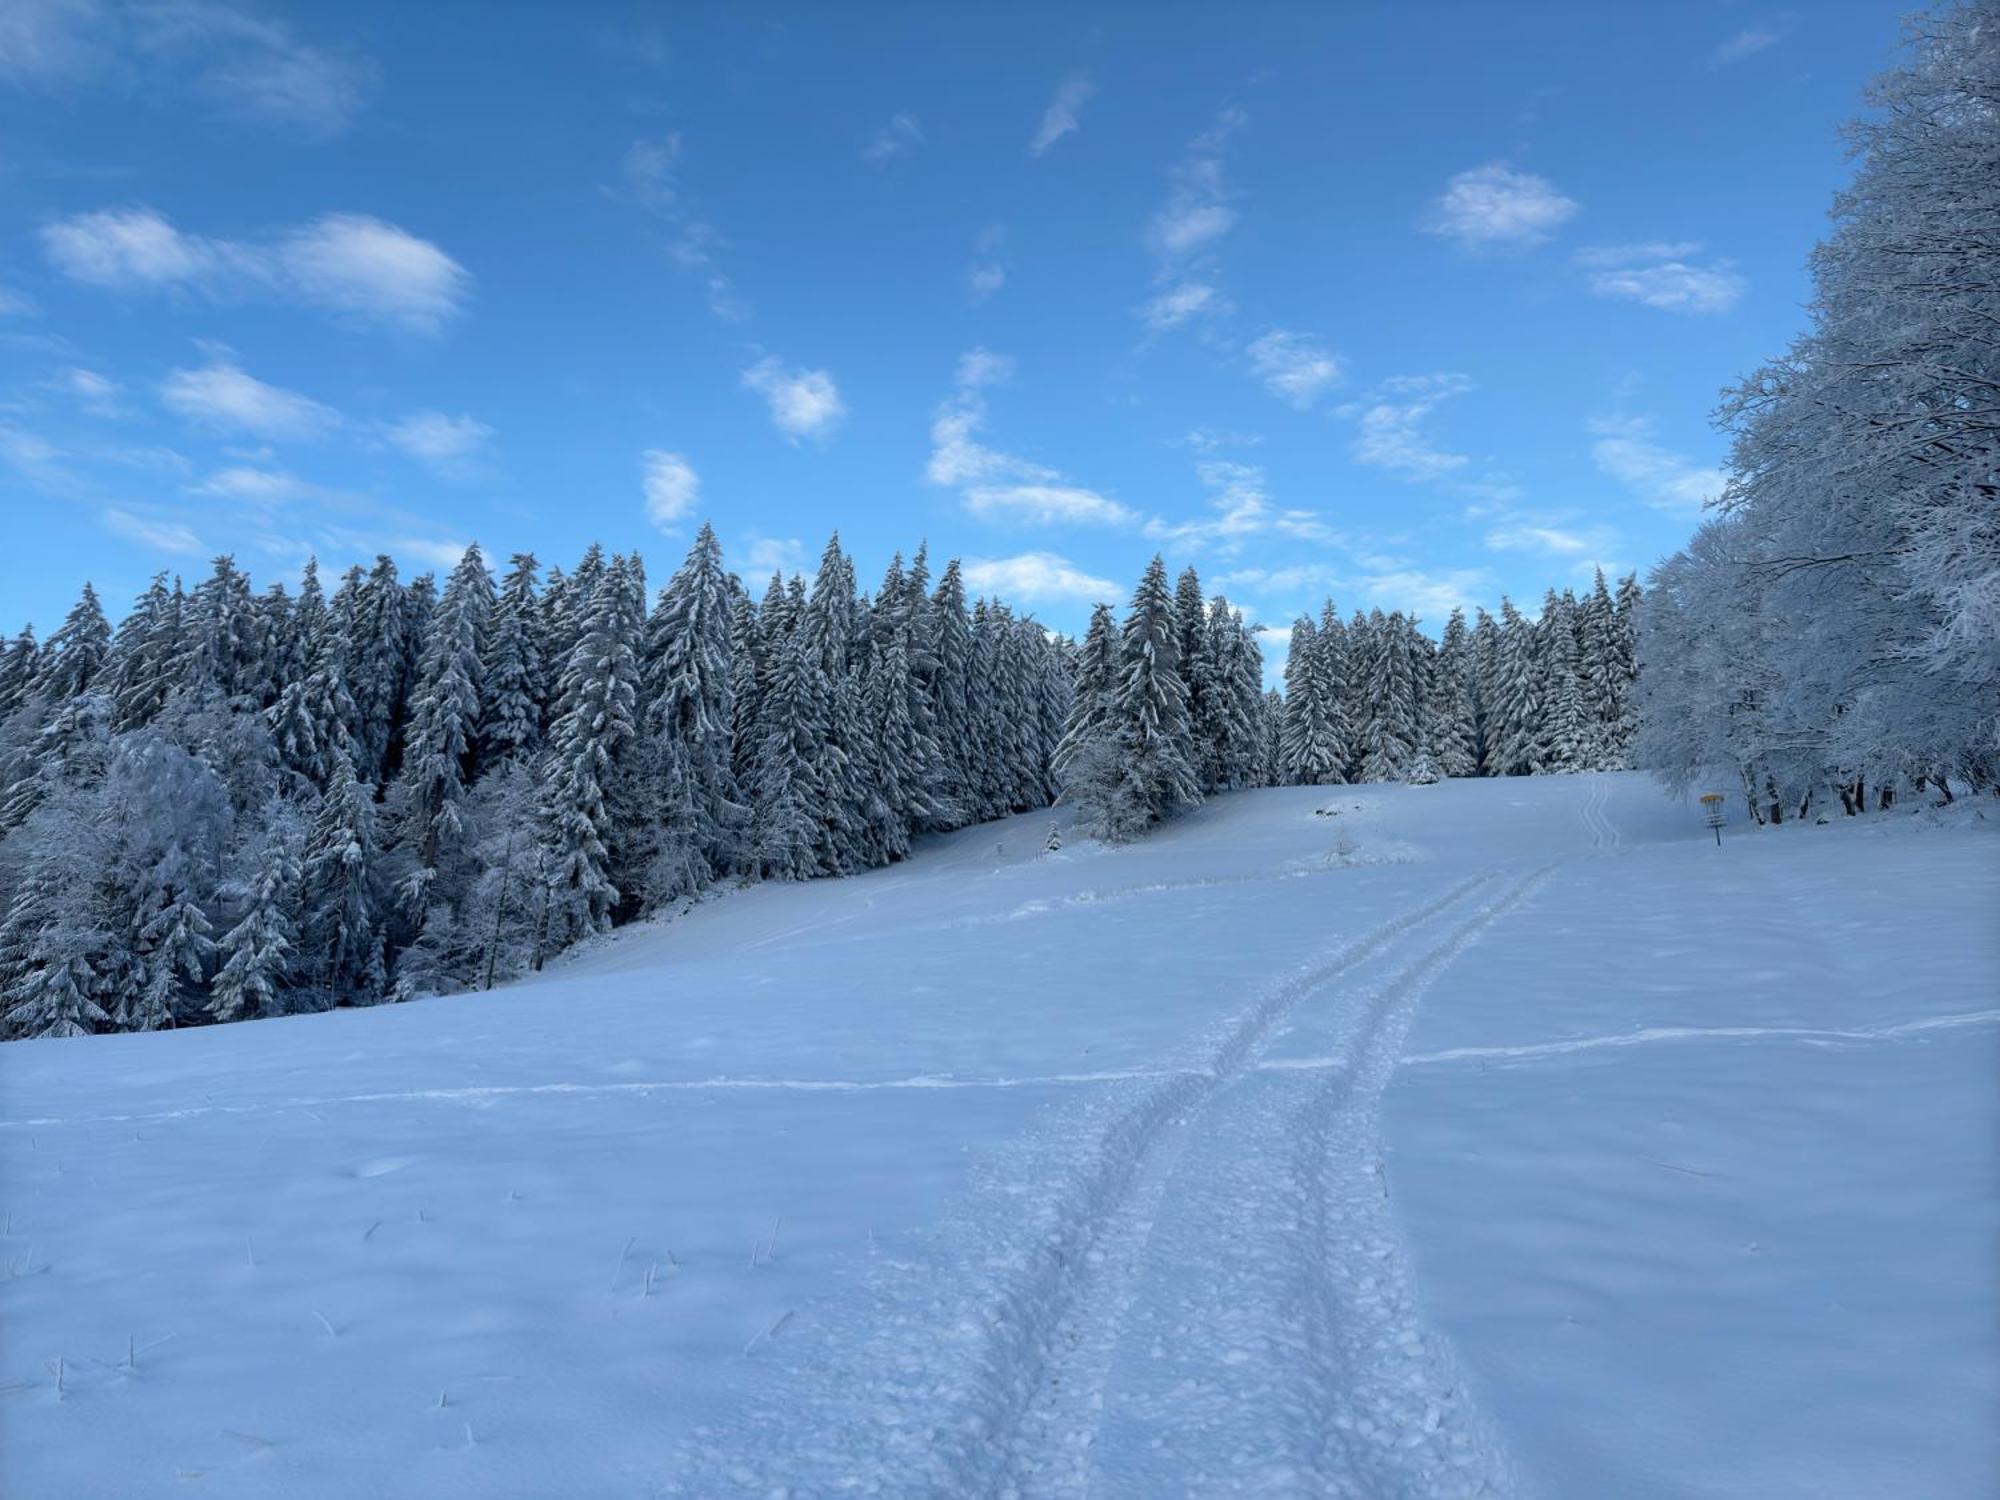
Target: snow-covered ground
x: 1481, y: 1139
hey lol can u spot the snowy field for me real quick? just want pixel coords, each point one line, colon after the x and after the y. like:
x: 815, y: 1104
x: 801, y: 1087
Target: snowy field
x: 1491, y: 1138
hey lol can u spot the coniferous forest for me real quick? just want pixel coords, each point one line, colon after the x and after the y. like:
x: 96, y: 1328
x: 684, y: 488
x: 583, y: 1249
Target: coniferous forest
x: 236, y: 804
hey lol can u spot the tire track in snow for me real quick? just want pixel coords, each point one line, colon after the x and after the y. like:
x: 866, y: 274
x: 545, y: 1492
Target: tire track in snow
x: 932, y: 1385
x: 1273, y: 1344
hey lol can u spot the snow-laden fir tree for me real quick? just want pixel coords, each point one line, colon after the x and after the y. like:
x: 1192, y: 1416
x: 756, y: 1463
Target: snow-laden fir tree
x: 259, y: 954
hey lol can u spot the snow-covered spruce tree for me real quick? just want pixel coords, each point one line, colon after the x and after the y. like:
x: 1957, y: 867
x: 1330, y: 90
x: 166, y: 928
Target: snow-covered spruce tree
x: 1314, y: 751
x: 444, y: 718
x: 1514, y: 728
x: 1093, y: 701
x: 341, y: 948
x: 170, y: 823
x: 1453, y: 724
x: 688, y: 709
x: 590, y: 741
x: 1389, y: 700
x: 785, y: 782
x: 56, y: 950
x: 1271, y: 740
x: 1150, y: 715
x: 1233, y: 669
x: 139, y: 670
x: 260, y: 952
x: 513, y: 692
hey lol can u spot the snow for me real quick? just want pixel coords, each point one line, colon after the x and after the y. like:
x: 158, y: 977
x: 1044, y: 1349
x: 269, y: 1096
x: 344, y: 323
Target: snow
x: 1496, y: 1137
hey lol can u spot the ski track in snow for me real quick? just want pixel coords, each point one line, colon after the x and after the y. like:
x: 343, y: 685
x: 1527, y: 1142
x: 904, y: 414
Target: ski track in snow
x: 1604, y: 835
x: 986, y: 1368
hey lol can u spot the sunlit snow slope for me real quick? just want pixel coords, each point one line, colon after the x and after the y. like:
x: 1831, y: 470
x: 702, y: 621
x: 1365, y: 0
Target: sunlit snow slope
x: 1480, y: 1139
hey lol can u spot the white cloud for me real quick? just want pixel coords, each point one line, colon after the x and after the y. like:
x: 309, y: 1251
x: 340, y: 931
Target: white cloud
x: 1431, y: 594
x: 1039, y: 576
x: 254, y: 486
x: 672, y: 487
x: 1390, y: 426
x: 1046, y: 504
x: 163, y: 536
x: 1197, y: 212
x: 129, y: 247
x: 1060, y: 118
x: 984, y: 279
x: 774, y: 554
x: 1243, y: 508
x: 253, y: 67
x: 804, y: 403
x: 222, y: 396
x: 1181, y: 304
x: 999, y: 485
x: 1748, y: 43
x: 649, y: 173
x: 1556, y: 540
x: 439, y: 554
x: 1661, y: 275
x: 1185, y: 231
x: 14, y: 304
x: 448, y: 446
x: 97, y: 394
x: 1663, y: 479
x: 901, y: 136
x: 1294, y: 367
x: 1496, y: 205
x: 348, y: 264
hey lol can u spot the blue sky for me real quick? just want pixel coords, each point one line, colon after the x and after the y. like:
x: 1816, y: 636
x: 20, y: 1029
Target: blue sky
x: 1411, y: 303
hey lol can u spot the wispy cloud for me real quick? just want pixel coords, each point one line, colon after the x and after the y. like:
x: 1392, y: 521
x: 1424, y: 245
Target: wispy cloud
x: 773, y: 554
x: 250, y: 66
x: 901, y: 136
x: 1241, y: 507
x: 222, y: 396
x: 671, y: 486
x: 350, y: 265
x: 1061, y: 118
x: 1495, y: 205
x: 1042, y: 577
x: 803, y: 403
x: 448, y: 446
x: 1294, y: 367
x: 1750, y: 41
x: 998, y: 485
x: 150, y: 531
x: 1390, y: 426
x: 95, y: 393
x: 1662, y: 275
x: 987, y: 273
x: 1186, y: 229
x: 1667, y: 481
x: 649, y: 178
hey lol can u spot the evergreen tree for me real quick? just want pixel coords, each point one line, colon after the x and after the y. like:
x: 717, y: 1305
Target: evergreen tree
x: 595, y: 725
x: 342, y: 945
x: 445, y: 714
x: 259, y: 953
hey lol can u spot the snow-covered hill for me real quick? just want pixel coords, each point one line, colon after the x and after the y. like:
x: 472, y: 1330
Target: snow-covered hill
x: 1486, y: 1138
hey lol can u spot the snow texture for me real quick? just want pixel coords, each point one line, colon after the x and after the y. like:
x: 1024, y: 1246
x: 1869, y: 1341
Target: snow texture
x: 1497, y: 1137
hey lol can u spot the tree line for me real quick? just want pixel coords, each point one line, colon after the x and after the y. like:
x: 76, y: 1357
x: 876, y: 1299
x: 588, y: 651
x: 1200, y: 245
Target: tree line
x: 239, y: 805
x: 1168, y: 706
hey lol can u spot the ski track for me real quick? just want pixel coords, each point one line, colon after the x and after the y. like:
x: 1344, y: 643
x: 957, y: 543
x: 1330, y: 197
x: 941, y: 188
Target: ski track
x: 1329, y: 1385
x: 981, y: 1368
x: 1604, y: 835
